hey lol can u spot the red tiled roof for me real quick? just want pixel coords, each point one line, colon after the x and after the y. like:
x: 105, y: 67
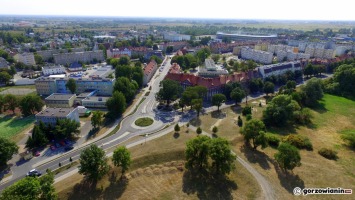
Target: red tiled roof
x: 175, y: 69
x: 150, y: 67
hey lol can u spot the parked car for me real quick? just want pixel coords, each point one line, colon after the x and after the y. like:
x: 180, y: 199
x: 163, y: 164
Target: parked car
x: 34, y: 173
x: 57, y: 145
x: 37, y: 153
x: 62, y: 143
x: 68, y: 148
x: 53, y: 147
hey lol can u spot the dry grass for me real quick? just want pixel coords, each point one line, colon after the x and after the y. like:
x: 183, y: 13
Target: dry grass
x: 158, y: 173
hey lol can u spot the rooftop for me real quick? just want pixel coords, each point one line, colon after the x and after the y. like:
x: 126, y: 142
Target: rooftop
x: 52, y: 66
x: 55, y: 112
x: 96, y: 98
x: 58, y: 96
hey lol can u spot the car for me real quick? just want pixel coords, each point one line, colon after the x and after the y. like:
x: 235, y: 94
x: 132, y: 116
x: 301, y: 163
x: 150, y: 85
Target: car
x: 53, y: 147
x: 68, y: 148
x: 57, y: 145
x: 37, y: 153
x: 34, y: 173
x: 62, y: 143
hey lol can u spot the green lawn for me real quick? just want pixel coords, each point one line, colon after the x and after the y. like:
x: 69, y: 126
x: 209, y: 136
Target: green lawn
x: 145, y: 121
x: 10, y: 126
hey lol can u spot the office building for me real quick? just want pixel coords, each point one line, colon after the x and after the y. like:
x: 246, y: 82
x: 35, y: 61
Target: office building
x: 57, y: 100
x: 51, y: 115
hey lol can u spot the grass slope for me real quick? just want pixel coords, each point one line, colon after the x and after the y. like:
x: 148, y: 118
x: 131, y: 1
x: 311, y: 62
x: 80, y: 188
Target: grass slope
x: 10, y: 126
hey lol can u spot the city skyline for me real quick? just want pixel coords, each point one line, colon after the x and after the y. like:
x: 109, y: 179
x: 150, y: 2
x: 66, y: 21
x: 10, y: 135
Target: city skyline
x: 225, y: 9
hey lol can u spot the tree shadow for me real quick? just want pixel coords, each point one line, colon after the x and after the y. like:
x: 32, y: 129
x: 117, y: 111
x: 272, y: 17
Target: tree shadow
x: 218, y: 114
x: 208, y: 186
x: 86, y: 189
x: 92, y: 133
x: 196, y: 122
x: 214, y: 135
x: 4, y: 170
x: 116, y: 187
x: 176, y: 135
x: 288, y: 180
x: 255, y: 156
x: 320, y: 107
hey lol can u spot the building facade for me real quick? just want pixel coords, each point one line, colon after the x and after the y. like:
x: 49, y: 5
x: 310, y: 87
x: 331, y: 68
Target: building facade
x: 53, y: 69
x: 57, y: 100
x: 26, y: 58
x: 51, y: 115
x: 149, y: 71
x: 86, y: 56
x: 95, y: 102
x: 256, y: 55
x: 278, y: 69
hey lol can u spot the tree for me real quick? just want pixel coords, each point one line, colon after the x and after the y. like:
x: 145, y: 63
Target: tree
x: 312, y: 92
x: 31, y: 188
x: 30, y: 104
x: 169, y: 49
x: 280, y: 110
x: 188, y: 95
x: 71, y: 85
x: 288, y: 156
x: 121, y: 158
x: 237, y: 95
x: 97, y: 119
x: 196, y: 152
x: 11, y: 102
x: 197, y: 104
x: 116, y: 104
x: 254, y: 130
x: 65, y: 128
x: 256, y: 85
x: 93, y: 163
x: 2, y: 103
x: 240, y: 121
x: 269, y: 87
x: 7, y: 149
x: 137, y: 74
x: 215, y: 57
x: 124, y: 60
x: 177, y: 128
x: 198, y: 130
x: 38, y: 59
x: 123, y: 71
x: 5, y: 77
x: 127, y: 87
x: 344, y: 78
x: 221, y: 156
x: 218, y: 99
x: 37, y: 139
x: 215, y: 129
x: 170, y: 90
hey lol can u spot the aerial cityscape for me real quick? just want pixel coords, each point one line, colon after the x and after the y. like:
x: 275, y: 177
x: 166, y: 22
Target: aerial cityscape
x: 144, y: 100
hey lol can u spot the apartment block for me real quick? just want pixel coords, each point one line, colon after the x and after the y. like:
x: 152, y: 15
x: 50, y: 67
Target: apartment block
x: 26, y: 58
x: 86, y: 56
x: 256, y: 55
x: 278, y: 69
x: 149, y: 71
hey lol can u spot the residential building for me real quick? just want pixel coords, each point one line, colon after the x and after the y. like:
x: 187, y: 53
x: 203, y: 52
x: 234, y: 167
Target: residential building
x: 256, y: 55
x: 149, y: 71
x: 53, y: 69
x: 176, y: 37
x: 278, y: 69
x: 95, y: 102
x: 119, y: 51
x: 85, y: 57
x: 25, y: 58
x: 47, y: 54
x: 232, y: 36
x: 3, y: 63
x: 57, y: 100
x: 46, y: 86
x: 51, y: 115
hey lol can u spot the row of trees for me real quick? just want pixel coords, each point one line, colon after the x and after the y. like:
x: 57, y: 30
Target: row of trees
x: 343, y: 81
x: 192, y: 61
x: 29, y: 104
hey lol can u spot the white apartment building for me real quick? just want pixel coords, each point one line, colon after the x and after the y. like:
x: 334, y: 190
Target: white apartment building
x: 176, y: 37
x: 256, y: 55
x: 121, y: 51
x: 26, y: 58
x: 278, y: 69
x: 281, y: 55
x: 86, y: 56
x: 53, y: 69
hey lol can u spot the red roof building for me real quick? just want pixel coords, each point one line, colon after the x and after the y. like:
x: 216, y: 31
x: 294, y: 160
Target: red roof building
x: 149, y: 71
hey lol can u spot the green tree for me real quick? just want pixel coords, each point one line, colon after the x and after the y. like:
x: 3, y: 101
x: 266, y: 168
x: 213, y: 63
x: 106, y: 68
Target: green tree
x: 177, y: 128
x: 123, y: 71
x: 65, y: 128
x: 124, y: 61
x: 137, y: 74
x: 196, y: 152
x: 122, y: 158
x: 37, y: 139
x: 30, y: 104
x: 215, y: 129
x: 240, y: 121
x: 5, y: 77
x: 221, y: 155
x: 71, y: 85
x: 280, y: 110
x: 254, y: 130
x: 93, y: 163
x: 11, y: 102
x: 169, y: 49
x: 237, y: 95
x: 7, y: 149
x: 170, y: 90
x: 198, y: 130
x: 218, y: 99
x: 127, y: 87
x: 197, y: 104
x: 288, y: 157
x: 312, y: 92
x: 97, y: 119
x: 38, y: 59
x: 116, y: 104
x: 187, y: 96
x: 344, y: 79
x: 269, y: 87
x: 215, y: 57
x: 47, y: 188
x: 2, y: 103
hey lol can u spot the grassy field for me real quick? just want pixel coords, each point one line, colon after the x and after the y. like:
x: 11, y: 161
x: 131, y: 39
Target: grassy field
x: 145, y: 121
x: 158, y: 173
x: 11, y: 126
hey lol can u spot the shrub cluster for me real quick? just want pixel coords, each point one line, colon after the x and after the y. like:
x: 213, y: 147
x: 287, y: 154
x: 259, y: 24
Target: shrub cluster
x: 246, y: 110
x: 301, y: 142
x: 328, y: 153
x: 273, y: 140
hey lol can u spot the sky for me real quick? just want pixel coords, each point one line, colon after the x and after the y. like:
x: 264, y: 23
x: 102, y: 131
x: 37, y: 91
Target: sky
x: 221, y: 9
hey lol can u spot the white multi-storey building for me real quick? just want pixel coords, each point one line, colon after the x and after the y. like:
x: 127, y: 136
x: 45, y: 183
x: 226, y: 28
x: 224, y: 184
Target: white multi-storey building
x: 256, y: 55
x: 121, y: 51
x: 53, y: 69
x: 86, y: 56
x: 278, y: 69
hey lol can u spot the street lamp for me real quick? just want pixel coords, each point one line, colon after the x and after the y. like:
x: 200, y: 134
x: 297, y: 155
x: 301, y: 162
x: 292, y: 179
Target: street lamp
x: 146, y: 135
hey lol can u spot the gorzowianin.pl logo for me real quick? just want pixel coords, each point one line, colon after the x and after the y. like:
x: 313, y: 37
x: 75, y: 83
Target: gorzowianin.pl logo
x: 306, y: 191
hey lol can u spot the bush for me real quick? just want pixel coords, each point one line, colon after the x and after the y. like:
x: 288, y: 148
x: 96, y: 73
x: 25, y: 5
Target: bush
x: 301, y: 142
x: 248, y: 117
x: 273, y: 140
x: 246, y: 110
x: 350, y: 138
x: 240, y: 121
x: 328, y: 153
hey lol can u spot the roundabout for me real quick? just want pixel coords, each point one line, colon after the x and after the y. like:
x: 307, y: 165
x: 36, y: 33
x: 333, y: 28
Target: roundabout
x: 144, y: 122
